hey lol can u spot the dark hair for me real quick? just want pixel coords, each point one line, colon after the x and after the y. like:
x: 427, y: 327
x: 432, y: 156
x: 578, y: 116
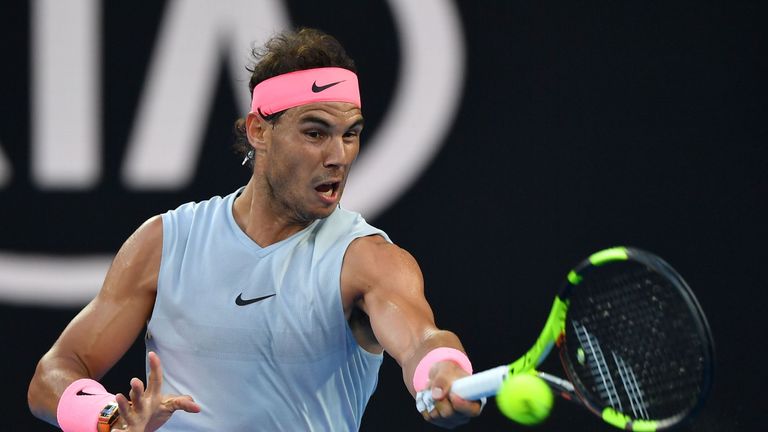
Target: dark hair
x: 290, y: 51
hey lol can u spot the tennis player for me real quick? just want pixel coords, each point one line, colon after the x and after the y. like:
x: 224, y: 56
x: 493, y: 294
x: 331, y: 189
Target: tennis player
x: 270, y: 307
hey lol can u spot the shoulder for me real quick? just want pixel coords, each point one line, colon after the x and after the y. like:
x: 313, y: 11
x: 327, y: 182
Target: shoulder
x: 148, y: 236
x: 344, y: 233
x: 346, y: 222
x: 374, y: 261
x: 192, y: 208
x: 377, y: 247
x: 179, y: 222
x: 138, y: 260
x: 137, y: 263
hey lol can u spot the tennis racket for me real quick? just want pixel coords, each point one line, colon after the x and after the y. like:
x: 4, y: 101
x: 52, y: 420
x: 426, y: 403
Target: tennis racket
x: 633, y: 341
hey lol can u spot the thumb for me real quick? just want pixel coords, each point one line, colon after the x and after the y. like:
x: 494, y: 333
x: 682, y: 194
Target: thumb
x: 183, y: 403
x: 442, y: 376
x: 438, y: 393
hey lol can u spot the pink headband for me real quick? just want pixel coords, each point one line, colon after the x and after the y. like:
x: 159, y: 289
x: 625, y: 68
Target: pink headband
x: 303, y: 87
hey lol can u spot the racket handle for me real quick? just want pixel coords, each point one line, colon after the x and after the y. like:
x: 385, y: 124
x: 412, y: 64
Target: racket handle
x: 481, y: 384
x: 473, y: 387
x: 487, y: 383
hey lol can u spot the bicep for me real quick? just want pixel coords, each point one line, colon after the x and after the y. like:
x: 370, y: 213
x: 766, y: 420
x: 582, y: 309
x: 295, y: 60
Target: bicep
x: 392, y: 295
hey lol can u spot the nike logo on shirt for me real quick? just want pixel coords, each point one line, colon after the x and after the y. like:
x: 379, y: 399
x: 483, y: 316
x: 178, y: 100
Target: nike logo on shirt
x: 240, y: 301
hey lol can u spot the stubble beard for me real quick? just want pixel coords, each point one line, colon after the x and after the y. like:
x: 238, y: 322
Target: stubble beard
x: 283, y: 202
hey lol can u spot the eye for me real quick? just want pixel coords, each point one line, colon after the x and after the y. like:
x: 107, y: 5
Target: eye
x: 352, y: 134
x: 314, y: 134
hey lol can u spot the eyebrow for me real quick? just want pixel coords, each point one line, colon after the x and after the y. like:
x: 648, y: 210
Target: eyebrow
x: 324, y: 123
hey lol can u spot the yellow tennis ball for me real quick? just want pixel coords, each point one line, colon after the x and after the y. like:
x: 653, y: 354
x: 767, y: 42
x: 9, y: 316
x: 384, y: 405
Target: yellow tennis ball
x: 525, y: 398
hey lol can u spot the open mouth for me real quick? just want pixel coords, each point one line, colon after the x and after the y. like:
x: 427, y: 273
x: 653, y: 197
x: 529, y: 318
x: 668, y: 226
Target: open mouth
x: 328, y: 190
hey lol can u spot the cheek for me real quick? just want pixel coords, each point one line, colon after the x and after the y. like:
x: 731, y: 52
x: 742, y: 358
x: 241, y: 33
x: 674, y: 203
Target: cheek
x: 291, y: 167
x: 353, y: 151
x: 283, y: 156
x: 299, y: 163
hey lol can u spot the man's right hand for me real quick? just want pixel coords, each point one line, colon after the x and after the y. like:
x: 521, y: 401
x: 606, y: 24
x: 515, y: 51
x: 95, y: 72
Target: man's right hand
x: 149, y: 409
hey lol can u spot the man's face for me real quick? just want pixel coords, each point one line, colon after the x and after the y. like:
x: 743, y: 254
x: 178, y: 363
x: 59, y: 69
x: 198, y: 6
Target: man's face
x: 307, y: 158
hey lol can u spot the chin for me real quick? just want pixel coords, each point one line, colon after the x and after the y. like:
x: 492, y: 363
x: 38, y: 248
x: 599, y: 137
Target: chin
x: 309, y: 216
x: 327, y: 212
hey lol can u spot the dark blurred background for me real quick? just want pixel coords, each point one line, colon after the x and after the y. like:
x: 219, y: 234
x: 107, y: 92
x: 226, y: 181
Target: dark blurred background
x: 557, y: 129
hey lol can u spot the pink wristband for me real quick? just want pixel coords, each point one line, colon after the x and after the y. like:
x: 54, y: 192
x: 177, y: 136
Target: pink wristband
x: 80, y: 405
x: 421, y: 376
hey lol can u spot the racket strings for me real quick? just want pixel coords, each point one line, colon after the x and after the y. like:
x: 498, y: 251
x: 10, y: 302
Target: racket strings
x: 635, y: 342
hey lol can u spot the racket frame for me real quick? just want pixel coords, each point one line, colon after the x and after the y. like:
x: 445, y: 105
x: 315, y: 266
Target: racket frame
x: 488, y: 382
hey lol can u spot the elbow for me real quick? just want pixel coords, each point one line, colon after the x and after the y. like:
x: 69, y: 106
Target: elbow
x: 34, y: 398
x: 40, y: 400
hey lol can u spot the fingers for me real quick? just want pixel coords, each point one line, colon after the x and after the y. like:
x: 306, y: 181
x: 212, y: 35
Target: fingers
x: 449, y: 410
x: 443, y: 405
x: 465, y: 407
x: 137, y: 392
x: 440, y: 394
x: 155, y: 379
x: 445, y: 416
x: 120, y: 426
x: 441, y: 375
x: 183, y: 403
x: 434, y: 405
x: 148, y: 408
x: 443, y: 410
x: 123, y: 405
x: 452, y: 411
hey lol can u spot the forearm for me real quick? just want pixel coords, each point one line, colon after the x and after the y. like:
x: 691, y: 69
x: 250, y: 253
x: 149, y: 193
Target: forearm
x: 431, y: 340
x: 52, y: 375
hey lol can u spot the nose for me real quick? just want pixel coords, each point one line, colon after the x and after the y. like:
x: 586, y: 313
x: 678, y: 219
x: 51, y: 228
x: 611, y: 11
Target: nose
x: 337, y: 152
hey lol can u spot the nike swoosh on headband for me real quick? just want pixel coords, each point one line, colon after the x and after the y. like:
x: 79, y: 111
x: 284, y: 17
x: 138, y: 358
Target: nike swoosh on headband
x: 317, y: 89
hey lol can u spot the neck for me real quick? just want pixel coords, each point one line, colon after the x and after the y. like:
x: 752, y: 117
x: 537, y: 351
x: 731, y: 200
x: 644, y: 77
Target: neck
x: 256, y: 214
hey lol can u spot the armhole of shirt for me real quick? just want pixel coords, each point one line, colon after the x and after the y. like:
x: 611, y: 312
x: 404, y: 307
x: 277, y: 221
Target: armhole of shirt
x: 350, y: 335
x: 169, y: 234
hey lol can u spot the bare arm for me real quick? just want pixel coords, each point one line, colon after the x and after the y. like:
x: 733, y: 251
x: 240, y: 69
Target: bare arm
x: 390, y: 290
x: 104, y: 330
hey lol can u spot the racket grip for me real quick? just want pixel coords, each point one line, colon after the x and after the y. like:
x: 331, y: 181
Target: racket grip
x: 481, y: 384
x: 473, y: 387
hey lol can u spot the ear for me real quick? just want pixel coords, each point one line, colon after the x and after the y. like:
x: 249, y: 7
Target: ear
x: 256, y: 128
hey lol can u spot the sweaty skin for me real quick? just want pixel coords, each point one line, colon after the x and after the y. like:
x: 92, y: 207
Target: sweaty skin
x: 104, y: 330
x: 300, y: 170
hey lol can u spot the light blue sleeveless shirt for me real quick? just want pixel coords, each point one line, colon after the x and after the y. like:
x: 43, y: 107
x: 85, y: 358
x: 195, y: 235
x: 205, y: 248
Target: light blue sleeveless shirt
x: 287, y: 362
